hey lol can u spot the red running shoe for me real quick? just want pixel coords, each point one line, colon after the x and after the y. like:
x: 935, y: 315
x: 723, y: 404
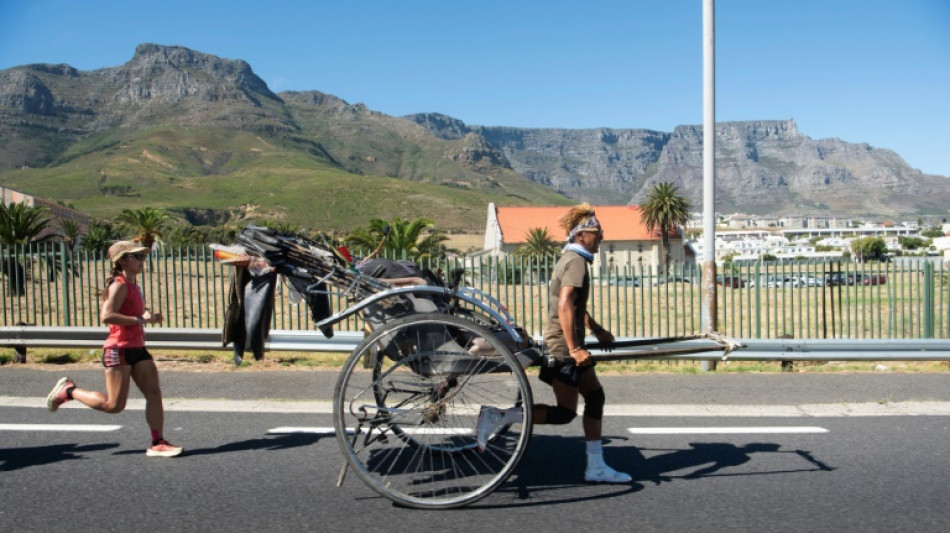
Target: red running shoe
x: 163, y: 448
x: 57, y: 396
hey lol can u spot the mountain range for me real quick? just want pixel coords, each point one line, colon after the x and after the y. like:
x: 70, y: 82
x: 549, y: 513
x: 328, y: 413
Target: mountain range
x: 205, y: 137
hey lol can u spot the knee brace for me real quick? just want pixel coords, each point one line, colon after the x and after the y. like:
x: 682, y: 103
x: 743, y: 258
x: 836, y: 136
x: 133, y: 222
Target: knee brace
x: 559, y: 415
x: 594, y: 404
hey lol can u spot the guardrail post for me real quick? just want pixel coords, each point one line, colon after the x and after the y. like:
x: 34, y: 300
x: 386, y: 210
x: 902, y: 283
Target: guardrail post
x: 787, y: 365
x: 67, y: 307
x: 20, y: 349
x: 929, y: 307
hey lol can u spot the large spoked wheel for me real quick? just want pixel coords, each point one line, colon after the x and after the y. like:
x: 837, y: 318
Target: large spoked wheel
x: 407, y: 425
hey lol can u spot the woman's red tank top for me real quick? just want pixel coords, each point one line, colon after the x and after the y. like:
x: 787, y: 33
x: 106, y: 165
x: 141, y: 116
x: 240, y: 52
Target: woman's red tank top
x: 134, y: 305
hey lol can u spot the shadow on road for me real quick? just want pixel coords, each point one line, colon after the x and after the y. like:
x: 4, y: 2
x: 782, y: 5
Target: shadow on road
x: 15, y: 458
x: 707, y: 459
x: 552, y: 472
x: 552, y: 469
x: 272, y: 443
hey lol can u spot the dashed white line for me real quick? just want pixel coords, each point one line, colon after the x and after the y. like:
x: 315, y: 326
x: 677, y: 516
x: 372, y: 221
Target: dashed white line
x: 58, y: 427
x: 309, y: 430
x: 725, y: 430
x: 330, y: 431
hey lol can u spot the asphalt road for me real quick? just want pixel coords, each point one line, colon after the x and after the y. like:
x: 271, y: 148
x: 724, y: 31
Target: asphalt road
x: 788, y: 452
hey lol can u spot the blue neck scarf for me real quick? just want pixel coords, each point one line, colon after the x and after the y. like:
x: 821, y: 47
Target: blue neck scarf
x: 574, y: 247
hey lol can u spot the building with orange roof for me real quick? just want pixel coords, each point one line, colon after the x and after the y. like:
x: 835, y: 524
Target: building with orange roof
x: 626, y: 239
x: 57, y: 212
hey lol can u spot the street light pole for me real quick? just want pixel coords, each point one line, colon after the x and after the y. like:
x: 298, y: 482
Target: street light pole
x: 708, y: 312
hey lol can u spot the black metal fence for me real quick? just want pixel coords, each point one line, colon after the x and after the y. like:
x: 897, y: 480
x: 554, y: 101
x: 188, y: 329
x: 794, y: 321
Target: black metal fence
x: 46, y: 285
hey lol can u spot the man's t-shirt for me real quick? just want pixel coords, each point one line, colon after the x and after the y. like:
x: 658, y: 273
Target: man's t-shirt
x: 570, y: 271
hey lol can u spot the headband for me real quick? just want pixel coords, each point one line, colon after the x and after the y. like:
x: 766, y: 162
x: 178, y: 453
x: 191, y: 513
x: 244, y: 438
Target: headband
x: 588, y: 224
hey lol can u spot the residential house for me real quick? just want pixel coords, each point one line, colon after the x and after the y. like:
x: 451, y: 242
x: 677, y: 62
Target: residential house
x: 57, y: 212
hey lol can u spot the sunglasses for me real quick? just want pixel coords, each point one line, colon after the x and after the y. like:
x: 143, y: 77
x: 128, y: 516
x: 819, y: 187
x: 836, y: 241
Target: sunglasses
x: 140, y: 257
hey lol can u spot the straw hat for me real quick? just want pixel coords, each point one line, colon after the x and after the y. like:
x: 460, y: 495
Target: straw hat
x: 123, y: 248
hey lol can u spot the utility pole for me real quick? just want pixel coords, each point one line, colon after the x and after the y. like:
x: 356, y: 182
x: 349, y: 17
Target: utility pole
x: 709, y: 312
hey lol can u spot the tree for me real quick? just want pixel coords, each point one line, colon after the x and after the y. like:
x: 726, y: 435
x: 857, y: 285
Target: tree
x: 663, y: 211
x: 184, y: 234
x: 539, y: 243
x: 99, y: 236
x: 912, y: 243
x: 868, y: 248
x: 400, y: 236
x: 147, y: 222
x: 19, y: 225
x: 70, y: 232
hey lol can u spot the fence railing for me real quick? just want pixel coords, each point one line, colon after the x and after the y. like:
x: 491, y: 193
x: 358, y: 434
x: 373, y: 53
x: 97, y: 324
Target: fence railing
x: 44, y: 285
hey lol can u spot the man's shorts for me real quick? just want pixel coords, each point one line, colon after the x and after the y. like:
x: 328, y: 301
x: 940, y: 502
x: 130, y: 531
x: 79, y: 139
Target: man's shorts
x: 566, y: 373
x: 114, y: 356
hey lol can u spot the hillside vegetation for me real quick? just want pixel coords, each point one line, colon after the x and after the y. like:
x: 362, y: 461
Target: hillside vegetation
x: 203, y: 137
x: 212, y: 176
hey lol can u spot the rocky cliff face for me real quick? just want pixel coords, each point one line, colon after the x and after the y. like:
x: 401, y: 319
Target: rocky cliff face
x: 761, y: 167
x: 159, y: 85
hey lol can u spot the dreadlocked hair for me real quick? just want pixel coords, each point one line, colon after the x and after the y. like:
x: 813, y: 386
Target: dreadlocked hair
x: 575, y: 216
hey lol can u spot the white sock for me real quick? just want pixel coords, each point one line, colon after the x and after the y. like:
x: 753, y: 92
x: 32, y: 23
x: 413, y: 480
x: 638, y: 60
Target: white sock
x: 513, y: 415
x: 595, y: 454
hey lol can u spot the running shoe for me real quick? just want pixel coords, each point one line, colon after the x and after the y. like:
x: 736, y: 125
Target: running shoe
x: 57, y: 396
x: 605, y: 474
x: 490, y: 420
x: 163, y: 448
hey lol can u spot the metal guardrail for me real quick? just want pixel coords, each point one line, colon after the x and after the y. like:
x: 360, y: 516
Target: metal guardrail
x: 174, y: 339
x: 346, y: 341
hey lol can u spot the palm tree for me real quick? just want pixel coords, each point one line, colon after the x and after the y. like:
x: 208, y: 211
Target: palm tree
x: 539, y: 243
x: 70, y: 232
x: 663, y: 211
x: 146, y: 222
x: 540, y: 246
x: 398, y: 236
x: 19, y: 225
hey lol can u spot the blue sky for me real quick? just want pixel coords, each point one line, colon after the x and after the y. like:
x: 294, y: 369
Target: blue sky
x: 874, y: 71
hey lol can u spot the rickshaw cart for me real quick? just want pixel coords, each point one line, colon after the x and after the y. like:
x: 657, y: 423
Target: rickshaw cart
x: 406, y: 403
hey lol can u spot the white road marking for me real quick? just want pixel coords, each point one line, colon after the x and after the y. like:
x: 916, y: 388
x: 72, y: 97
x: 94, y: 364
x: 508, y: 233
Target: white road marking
x: 58, y: 427
x: 331, y: 431
x: 725, y: 430
x: 285, y: 430
x: 814, y: 410
x: 439, y: 431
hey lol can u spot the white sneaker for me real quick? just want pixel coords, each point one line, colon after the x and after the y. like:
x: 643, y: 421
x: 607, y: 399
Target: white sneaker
x: 490, y: 420
x: 605, y: 474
